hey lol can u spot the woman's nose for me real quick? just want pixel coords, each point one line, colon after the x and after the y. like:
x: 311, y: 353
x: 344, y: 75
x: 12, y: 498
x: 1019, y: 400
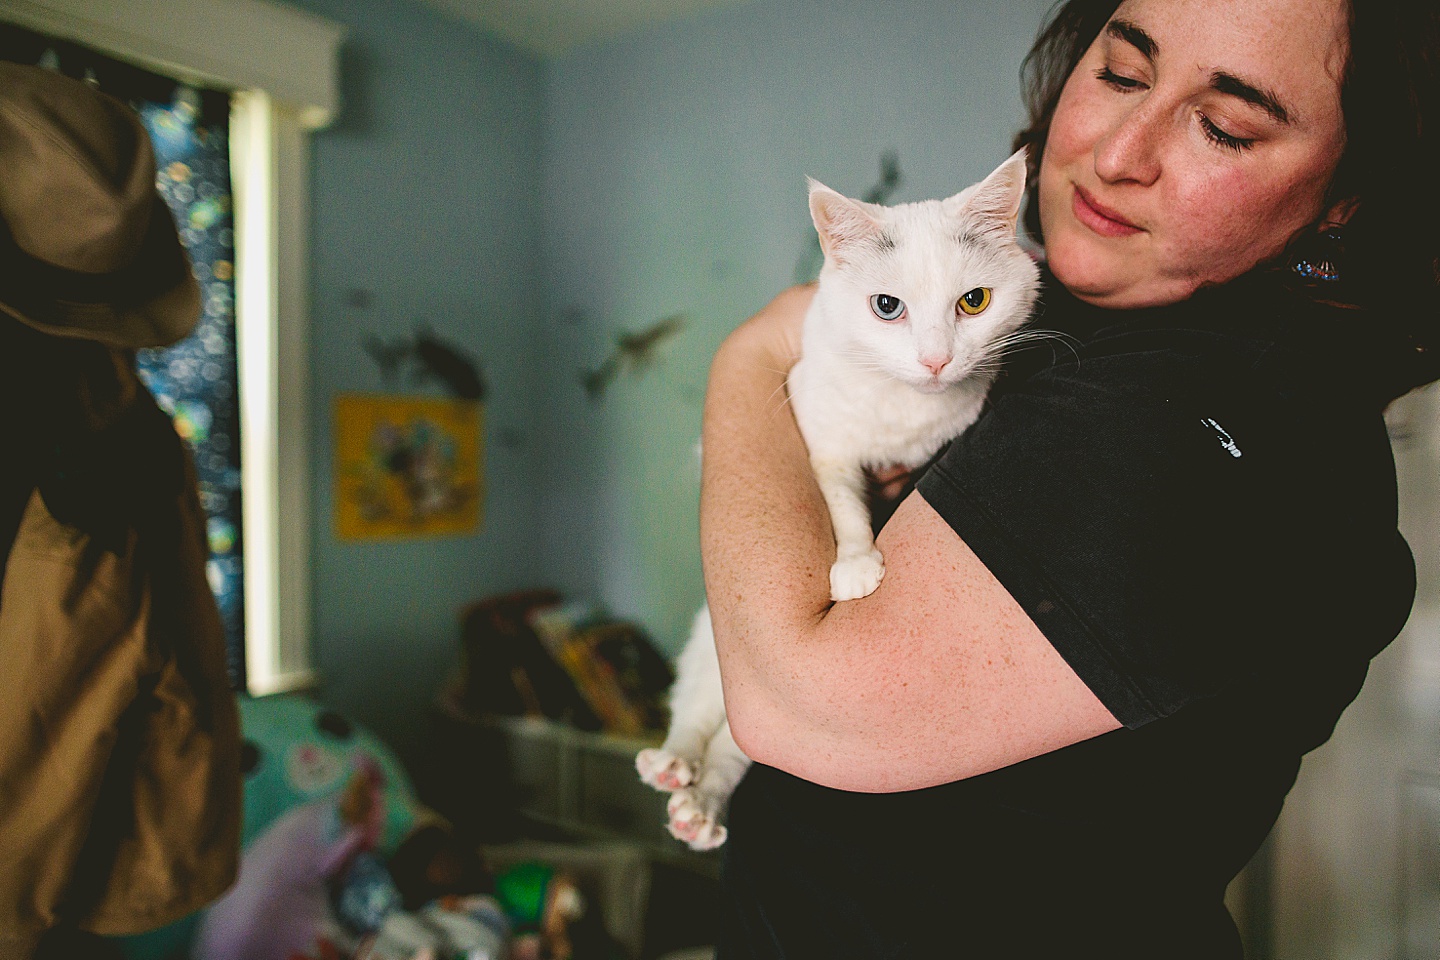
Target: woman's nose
x: 1130, y: 151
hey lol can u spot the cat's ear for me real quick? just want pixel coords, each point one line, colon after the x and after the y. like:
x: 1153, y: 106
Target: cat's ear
x: 840, y: 221
x: 996, y: 199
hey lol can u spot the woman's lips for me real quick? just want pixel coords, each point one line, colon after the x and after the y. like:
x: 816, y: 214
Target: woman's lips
x: 1102, y: 220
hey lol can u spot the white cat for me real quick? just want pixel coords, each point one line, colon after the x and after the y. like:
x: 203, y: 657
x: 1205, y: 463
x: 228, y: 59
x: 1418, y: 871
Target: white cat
x: 914, y: 306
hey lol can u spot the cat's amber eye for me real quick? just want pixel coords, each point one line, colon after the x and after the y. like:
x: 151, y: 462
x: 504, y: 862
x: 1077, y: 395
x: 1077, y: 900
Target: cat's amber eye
x: 886, y: 307
x: 974, y: 302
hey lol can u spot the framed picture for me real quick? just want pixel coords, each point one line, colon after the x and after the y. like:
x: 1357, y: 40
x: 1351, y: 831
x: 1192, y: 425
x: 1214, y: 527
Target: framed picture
x: 407, y: 466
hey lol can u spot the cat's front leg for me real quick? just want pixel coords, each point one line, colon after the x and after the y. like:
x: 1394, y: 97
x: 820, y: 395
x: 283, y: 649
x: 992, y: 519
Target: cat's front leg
x: 697, y: 711
x: 680, y: 760
x: 664, y: 769
x: 695, y: 812
x: 858, y: 566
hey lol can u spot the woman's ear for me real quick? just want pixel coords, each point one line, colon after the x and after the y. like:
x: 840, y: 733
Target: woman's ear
x: 1340, y: 212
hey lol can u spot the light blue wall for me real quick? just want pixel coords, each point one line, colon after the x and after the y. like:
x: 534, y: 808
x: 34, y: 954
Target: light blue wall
x: 530, y: 212
x: 675, y: 164
x: 426, y: 197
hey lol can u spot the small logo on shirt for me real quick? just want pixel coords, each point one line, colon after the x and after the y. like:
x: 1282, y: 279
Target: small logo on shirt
x: 1226, y: 441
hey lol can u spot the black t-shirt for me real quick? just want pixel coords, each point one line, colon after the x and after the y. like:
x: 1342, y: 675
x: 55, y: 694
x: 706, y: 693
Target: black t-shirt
x: 1196, y: 505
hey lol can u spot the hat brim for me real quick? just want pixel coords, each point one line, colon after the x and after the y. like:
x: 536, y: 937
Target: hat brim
x: 153, y: 301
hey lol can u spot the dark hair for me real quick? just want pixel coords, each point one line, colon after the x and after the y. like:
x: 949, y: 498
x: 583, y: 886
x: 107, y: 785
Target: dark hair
x: 1061, y: 42
x: 1390, y: 165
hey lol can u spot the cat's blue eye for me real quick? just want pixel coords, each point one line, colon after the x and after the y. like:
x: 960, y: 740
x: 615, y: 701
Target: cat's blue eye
x: 886, y: 307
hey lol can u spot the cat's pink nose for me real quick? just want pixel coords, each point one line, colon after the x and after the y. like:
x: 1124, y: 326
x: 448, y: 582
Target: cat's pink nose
x: 935, y: 364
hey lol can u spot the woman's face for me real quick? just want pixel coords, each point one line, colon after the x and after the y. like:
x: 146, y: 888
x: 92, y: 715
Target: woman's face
x: 1190, y: 143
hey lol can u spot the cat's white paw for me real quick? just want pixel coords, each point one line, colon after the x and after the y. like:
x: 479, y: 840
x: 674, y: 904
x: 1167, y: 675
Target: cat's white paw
x: 664, y: 770
x: 695, y: 819
x: 856, y: 575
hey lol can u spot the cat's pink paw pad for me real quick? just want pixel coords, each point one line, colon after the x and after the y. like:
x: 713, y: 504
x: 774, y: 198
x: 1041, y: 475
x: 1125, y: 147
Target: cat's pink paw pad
x: 692, y: 823
x: 663, y: 770
x: 856, y: 575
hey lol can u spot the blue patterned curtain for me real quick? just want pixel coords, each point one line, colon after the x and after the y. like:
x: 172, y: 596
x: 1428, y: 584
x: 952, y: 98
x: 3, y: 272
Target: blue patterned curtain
x: 195, y: 381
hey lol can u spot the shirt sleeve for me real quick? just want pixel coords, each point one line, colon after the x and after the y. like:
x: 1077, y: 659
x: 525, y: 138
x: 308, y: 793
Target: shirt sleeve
x: 1172, y: 526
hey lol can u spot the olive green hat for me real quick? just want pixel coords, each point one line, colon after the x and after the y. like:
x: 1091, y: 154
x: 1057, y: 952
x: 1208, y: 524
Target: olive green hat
x: 88, y: 248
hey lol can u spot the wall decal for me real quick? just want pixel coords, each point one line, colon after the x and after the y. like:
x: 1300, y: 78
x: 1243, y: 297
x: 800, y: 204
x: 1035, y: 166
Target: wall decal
x: 632, y: 353
x: 427, y: 357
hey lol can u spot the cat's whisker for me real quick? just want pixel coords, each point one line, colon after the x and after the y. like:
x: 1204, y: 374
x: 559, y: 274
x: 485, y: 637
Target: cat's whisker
x: 867, y: 365
x: 789, y: 390
x: 781, y: 391
x: 1015, y: 338
x: 983, y: 369
x: 861, y: 361
x: 863, y: 385
x: 784, y: 396
x: 769, y: 369
x: 853, y: 382
x: 990, y: 358
x: 1029, y: 336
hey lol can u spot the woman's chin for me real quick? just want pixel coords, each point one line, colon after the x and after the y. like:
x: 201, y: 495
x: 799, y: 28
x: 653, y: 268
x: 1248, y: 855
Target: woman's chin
x: 1095, y: 284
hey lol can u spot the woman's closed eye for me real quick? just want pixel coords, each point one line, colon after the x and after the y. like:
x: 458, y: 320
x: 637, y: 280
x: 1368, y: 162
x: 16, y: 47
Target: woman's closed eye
x: 1120, y: 82
x: 1213, y: 132
x: 1218, y: 136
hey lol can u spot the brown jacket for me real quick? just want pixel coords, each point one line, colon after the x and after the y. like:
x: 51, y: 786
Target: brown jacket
x: 119, y: 736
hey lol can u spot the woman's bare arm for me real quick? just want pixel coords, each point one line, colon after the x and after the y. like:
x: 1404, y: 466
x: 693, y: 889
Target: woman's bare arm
x: 937, y: 676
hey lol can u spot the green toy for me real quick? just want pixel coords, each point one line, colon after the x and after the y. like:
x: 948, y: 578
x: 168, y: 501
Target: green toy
x: 541, y: 903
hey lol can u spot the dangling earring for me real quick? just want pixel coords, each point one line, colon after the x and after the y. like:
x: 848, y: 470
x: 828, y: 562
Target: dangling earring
x: 1320, y: 263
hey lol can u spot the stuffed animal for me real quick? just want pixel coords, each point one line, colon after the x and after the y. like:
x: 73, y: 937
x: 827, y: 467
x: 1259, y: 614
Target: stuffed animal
x: 298, y: 749
x: 280, y: 906
x: 430, y: 899
x: 434, y: 862
x: 474, y: 928
x: 542, y: 902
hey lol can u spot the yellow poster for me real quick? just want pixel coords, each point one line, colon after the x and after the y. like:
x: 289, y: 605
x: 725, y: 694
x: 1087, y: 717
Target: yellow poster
x: 407, y: 466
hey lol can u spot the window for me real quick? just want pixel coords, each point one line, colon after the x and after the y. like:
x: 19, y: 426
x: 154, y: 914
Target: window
x: 281, y: 66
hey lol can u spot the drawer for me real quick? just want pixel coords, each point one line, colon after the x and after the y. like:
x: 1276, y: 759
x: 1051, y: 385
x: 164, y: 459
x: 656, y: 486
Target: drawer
x: 533, y: 765
x: 1420, y: 864
x: 613, y: 799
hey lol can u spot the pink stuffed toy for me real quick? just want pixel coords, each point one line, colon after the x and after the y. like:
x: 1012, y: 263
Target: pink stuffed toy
x: 279, y: 907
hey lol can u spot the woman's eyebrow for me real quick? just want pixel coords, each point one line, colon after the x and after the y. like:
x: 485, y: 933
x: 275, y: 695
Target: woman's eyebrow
x: 1127, y: 31
x: 1228, y: 83
x: 1131, y: 33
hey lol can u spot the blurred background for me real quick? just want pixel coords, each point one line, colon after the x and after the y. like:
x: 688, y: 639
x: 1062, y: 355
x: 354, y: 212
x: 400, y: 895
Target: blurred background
x: 579, y: 200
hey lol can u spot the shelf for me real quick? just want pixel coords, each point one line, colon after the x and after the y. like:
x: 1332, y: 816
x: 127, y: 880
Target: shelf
x: 555, y: 780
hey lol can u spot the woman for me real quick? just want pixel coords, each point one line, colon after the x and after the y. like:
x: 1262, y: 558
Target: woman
x: 1120, y: 609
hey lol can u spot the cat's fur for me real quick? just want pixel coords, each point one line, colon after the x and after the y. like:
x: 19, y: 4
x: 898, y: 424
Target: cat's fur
x: 866, y: 392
